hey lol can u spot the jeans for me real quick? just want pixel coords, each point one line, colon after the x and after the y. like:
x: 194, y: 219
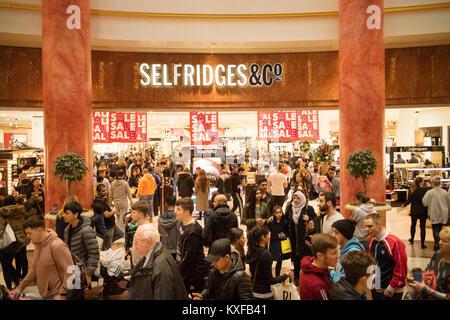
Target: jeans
x: 9, y: 272
x: 436, y: 229
x: 237, y: 202
x: 278, y: 200
x: 149, y: 200
x: 278, y: 268
x: 111, y: 235
x: 21, y: 262
x: 423, y: 222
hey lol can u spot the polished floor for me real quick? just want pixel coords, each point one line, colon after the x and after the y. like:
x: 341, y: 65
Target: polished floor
x: 397, y: 222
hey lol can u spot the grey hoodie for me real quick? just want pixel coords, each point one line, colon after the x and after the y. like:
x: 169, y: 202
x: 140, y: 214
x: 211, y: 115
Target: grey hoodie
x: 167, y: 229
x: 359, y: 215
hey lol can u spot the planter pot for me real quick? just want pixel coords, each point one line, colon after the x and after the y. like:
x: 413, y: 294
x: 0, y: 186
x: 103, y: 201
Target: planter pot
x: 324, y: 166
x: 379, y: 207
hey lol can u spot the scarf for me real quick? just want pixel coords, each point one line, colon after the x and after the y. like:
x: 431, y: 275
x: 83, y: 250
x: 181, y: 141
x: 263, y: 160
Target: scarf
x: 296, y: 210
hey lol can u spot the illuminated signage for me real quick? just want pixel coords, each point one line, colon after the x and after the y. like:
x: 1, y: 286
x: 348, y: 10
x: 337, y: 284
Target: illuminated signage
x: 205, y: 75
x: 288, y: 125
x: 204, y: 128
x: 128, y: 127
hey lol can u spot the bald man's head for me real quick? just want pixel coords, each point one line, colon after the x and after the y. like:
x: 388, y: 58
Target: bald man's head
x: 220, y: 199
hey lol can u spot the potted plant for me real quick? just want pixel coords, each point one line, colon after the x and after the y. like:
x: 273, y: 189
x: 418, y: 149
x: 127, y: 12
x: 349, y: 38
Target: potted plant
x: 324, y: 155
x: 362, y: 164
x: 70, y: 167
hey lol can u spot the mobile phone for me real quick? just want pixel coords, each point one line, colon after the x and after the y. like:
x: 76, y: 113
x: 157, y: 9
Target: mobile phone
x: 55, y: 208
x: 417, y: 274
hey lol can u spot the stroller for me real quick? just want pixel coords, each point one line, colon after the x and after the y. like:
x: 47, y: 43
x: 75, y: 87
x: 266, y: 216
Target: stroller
x: 111, y: 269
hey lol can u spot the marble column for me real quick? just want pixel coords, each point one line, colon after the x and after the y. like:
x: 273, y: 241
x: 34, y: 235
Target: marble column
x: 66, y: 72
x: 361, y: 93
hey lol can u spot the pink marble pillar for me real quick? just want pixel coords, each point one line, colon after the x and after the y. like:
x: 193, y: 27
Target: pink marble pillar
x: 66, y: 71
x: 361, y: 92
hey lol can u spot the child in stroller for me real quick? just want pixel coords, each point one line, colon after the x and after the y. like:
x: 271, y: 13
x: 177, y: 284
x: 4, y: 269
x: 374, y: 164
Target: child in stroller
x: 130, y: 230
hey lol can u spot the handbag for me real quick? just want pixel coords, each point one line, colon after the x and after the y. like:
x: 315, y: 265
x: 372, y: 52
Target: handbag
x: 285, y: 291
x: 286, y: 246
x: 8, y: 237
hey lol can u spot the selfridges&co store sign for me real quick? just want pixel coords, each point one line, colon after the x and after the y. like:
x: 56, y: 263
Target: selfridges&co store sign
x: 205, y: 75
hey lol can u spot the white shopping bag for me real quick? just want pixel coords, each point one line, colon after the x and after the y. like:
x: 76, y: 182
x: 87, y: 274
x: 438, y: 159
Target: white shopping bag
x: 113, y: 261
x: 285, y: 291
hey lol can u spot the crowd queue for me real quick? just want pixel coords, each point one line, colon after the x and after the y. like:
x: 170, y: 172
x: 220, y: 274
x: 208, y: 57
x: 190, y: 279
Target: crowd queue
x: 332, y: 257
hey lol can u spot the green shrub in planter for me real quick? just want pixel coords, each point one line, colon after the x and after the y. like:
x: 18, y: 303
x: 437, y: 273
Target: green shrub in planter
x: 362, y: 164
x: 70, y: 167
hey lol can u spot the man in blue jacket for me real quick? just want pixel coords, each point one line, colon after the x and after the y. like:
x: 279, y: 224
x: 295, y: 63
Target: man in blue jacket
x: 343, y: 231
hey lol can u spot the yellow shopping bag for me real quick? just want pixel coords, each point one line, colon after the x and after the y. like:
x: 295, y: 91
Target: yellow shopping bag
x: 286, y: 246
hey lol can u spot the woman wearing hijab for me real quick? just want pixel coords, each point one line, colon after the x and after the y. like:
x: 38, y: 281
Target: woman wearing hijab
x: 299, y: 214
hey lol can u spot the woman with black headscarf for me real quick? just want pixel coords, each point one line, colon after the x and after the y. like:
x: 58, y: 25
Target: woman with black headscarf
x: 299, y: 214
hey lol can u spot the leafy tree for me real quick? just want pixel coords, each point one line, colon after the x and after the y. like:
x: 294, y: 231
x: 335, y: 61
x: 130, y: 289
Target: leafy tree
x: 70, y: 167
x: 362, y: 164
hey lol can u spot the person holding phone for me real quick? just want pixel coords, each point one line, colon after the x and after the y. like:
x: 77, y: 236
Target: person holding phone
x: 434, y: 282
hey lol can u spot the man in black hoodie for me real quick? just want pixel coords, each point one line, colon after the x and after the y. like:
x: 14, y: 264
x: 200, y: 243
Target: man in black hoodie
x: 356, y: 267
x: 190, y: 256
x: 220, y: 222
x: 228, y: 279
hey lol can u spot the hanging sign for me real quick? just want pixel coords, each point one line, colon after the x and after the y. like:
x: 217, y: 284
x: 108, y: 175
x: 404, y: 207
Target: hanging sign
x: 204, y: 128
x: 100, y: 127
x: 128, y: 127
x: 288, y: 125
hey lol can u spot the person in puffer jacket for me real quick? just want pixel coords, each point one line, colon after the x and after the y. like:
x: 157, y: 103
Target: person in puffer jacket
x: 365, y: 207
x: 343, y: 231
x: 81, y: 239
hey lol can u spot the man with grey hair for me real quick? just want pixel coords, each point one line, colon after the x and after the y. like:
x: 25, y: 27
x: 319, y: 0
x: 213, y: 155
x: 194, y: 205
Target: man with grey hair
x: 438, y: 202
x: 156, y: 276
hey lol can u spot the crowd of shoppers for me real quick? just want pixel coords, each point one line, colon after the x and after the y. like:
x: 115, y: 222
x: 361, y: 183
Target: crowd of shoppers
x: 332, y: 257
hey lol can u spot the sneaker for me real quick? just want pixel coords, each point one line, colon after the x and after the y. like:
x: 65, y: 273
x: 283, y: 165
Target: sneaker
x: 423, y: 246
x: 411, y: 241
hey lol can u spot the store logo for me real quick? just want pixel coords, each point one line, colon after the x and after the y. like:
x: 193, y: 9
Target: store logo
x: 164, y: 75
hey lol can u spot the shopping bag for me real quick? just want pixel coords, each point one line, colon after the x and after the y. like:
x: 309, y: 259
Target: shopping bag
x: 7, y: 237
x: 285, y: 291
x: 286, y: 246
x: 113, y: 261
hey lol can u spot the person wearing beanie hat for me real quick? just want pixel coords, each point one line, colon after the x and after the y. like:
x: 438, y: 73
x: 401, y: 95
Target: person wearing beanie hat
x: 343, y: 231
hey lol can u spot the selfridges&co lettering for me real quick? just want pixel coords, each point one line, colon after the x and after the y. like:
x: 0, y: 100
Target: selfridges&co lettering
x: 205, y: 75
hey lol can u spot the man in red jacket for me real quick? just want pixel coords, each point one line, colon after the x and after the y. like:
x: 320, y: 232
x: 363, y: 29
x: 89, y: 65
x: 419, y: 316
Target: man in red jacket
x: 389, y: 252
x: 314, y: 277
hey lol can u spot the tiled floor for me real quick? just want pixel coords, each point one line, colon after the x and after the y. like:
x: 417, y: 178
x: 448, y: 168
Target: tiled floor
x: 398, y: 223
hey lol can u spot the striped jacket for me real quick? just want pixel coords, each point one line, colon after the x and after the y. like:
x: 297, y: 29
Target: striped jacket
x: 390, y: 255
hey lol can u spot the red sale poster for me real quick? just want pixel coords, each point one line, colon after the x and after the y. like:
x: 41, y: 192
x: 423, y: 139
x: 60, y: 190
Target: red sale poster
x: 127, y: 127
x: 288, y: 125
x: 204, y: 128
x: 100, y: 127
x: 308, y: 125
